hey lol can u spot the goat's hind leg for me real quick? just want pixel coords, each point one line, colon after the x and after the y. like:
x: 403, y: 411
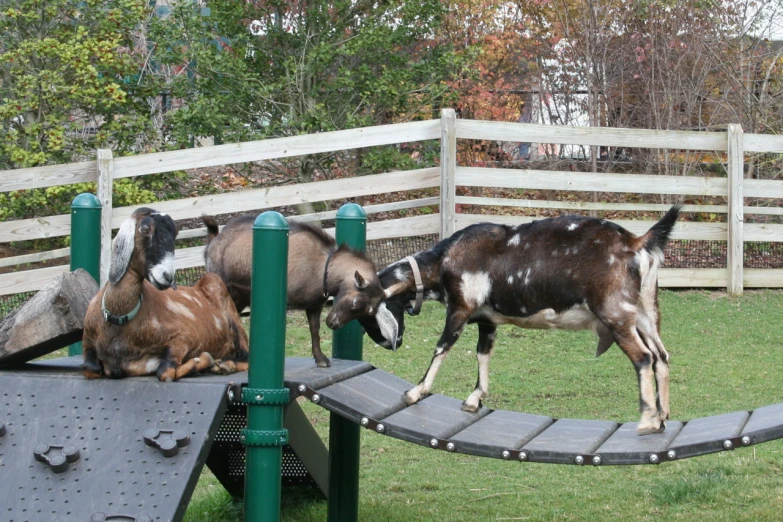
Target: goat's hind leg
x: 486, y: 341
x: 170, y: 370
x: 455, y: 322
x: 644, y: 361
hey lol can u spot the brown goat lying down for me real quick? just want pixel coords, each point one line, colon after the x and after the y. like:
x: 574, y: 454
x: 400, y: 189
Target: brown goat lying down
x: 317, y: 269
x: 135, y: 326
x: 568, y: 273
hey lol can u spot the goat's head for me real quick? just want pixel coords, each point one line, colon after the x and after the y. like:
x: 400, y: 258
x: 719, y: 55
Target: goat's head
x: 358, y: 289
x: 388, y: 324
x: 145, y: 245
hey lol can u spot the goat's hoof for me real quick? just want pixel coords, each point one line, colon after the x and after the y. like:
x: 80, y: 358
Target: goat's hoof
x: 409, y: 399
x: 323, y: 364
x: 470, y: 408
x: 89, y: 374
x: 650, y: 429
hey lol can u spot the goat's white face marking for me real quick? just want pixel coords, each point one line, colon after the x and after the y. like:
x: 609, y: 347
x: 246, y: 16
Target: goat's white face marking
x: 476, y: 287
x: 572, y: 226
x: 179, y: 308
x: 152, y: 365
x: 514, y: 241
x: 388, y: 325
x: 164, y: 271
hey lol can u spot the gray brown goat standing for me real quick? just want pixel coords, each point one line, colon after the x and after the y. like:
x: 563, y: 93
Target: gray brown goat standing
x: 568, y: 273
x: 134, y: 326
x: 317, y: 269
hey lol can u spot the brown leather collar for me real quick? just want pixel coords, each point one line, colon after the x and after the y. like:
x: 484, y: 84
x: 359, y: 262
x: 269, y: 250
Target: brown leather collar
x: 419, y: 286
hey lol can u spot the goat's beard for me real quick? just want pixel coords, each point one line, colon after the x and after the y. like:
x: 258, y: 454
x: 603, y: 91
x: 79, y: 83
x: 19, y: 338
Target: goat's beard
x: 388, y: 325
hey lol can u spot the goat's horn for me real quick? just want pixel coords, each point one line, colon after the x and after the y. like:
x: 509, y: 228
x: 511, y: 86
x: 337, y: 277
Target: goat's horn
x: 395, y: 289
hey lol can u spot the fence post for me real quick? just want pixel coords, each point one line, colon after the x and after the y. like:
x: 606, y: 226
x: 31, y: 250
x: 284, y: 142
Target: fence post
x: 736, y: 175
x: 105, y: 174
x: 265, y: 395
x: 448, y: 172
x: 344, y: 436
x: 85, y: 241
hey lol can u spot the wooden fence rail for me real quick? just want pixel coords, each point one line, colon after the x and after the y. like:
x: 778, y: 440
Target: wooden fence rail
x: 732, y: 144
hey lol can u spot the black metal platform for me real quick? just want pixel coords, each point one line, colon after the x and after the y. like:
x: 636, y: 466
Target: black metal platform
x: 117, y: 474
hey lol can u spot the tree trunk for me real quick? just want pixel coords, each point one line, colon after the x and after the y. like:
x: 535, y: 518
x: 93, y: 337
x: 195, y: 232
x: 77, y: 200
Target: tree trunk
x: 52, y: 319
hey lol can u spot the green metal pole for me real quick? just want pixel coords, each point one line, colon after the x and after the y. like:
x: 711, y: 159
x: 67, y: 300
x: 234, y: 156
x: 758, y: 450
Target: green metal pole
x: 265, y: 395
x: 85, y: 241
x: 343, y: 434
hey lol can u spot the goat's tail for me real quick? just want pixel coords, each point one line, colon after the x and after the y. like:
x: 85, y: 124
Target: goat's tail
x: 212, y: 227
x: 658, y: 235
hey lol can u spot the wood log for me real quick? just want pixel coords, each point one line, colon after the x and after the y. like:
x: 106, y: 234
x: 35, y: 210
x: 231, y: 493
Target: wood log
x: 52, y: 319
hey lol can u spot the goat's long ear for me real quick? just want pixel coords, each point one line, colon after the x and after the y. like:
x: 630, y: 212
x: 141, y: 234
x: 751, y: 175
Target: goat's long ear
x: 395, y: 289
x: 122, y: 250
x: 361, y: 283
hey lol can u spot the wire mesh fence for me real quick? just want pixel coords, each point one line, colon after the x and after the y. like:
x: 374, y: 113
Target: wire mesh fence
x: 678, y: 254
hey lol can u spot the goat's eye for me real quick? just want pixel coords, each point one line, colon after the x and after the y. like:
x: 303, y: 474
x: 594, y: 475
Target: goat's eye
x: 144, y: 229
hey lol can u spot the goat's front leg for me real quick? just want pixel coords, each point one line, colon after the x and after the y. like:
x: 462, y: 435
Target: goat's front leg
x: 456, y: 317
x: 314, y: 320
x: 486, y: 341
x: 91, y: 367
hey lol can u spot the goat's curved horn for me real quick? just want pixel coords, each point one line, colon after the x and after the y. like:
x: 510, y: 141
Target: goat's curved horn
x: 122, y: 250
x: 395, y: 289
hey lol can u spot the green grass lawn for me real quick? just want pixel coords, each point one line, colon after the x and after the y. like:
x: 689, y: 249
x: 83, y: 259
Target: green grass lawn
x: 725, y: 356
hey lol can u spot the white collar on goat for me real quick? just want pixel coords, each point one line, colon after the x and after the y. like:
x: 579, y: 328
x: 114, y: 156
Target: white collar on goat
x: 119, y: 320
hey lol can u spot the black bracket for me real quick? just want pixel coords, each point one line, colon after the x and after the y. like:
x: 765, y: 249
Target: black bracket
x: 261, y: 396
x: 169, y: 446
x: 59, y: 460
x: 103, y: 517
x: 263, y: 437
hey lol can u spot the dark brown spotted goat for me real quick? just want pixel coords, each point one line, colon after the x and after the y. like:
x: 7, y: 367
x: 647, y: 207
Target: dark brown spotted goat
x: 134, y: 326
x: 569, y: 273
x: 317, y: 269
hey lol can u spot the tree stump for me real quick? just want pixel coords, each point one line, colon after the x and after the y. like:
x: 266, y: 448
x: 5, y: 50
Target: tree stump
x: 52, y: 319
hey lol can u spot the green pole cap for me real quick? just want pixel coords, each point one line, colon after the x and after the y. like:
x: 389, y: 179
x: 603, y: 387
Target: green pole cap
x: 351, y: 211
x: 270, y: 220
x: 86, y: 200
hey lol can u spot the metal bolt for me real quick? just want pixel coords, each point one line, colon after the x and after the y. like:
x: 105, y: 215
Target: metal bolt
x: 506, y: 454
x: 671, y: 454
x: 316, y: 398
x: 745, y: 440
x: 450, y: 446
x: 434, y: 443
x: 259, y: 397
x: 230, y: 395
x: 380, y: 428
x: 654, y: 458
x: 579, y: 460
x: 365, y: 421
x: 302, y: 388
x: 597, y: 460
x: 727, y: 444
x: 523, y: 455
